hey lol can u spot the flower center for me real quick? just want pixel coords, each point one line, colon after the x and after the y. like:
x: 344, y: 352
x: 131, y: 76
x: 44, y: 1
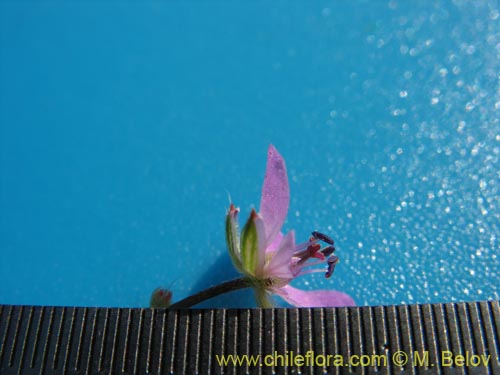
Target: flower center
x: 312, y: 249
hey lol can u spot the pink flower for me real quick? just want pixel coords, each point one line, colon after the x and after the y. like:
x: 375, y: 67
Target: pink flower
x: 271, y: 260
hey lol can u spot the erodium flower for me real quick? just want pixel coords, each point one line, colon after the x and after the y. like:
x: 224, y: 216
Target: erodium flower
x: 271, y: 260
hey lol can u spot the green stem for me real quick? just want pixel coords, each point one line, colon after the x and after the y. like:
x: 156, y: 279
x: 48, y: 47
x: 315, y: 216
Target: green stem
x: 211, y: 292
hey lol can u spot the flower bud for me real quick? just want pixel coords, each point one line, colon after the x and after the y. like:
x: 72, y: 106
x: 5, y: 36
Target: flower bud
x: 160, y: 299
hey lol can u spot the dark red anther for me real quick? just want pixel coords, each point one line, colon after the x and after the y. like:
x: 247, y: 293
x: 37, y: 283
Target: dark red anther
x: 332, y: 262
x: 329, y: 250
x: 322, y: 237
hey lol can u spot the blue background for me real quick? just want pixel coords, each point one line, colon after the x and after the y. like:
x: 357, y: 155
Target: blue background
x: 124, y: 126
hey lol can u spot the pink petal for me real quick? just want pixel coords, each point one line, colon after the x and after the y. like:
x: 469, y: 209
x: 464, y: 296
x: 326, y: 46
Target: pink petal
x: 284, y: 252
x: 314, y: 298
x: 279, y: 265
x: 261, y: 257
x: 273, y: 246
x: 275, y: 194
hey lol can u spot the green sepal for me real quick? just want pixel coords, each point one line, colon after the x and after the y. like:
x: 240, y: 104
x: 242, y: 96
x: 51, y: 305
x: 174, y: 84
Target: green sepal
x: 250, y: 245
x: 232, y: 237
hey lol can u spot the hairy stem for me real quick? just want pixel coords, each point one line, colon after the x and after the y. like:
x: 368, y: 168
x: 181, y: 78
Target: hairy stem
x: 211, y: 292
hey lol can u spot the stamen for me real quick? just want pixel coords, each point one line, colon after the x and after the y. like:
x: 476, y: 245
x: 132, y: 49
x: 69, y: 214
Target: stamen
x: 318, y: 255
x: 332, y: 262
x: 322, y: 237
x: 303, y: 246
x: 311, y: 252
x: 313, y: 248
x: 327, y: 251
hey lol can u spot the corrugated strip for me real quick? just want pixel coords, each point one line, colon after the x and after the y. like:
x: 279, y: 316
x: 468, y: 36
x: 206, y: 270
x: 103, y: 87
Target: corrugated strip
x: 64, y: 340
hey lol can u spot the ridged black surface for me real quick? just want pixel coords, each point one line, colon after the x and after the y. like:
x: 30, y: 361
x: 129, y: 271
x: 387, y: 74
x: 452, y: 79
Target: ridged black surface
x: 64, y: 340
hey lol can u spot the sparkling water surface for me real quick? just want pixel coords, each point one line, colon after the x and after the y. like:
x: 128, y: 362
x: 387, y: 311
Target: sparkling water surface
x: 124, y: 127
